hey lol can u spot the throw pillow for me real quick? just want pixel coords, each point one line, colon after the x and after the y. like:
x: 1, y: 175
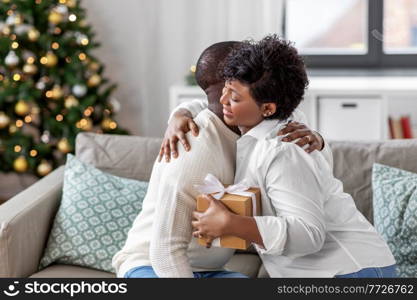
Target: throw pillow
x: 96, y: 212
x: 395, y: 214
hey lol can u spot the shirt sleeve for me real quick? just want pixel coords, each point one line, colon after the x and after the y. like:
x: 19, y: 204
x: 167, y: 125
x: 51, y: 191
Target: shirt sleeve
x: 299, y: 116
x: 172, y: 230
x: 327, y: 154
x: 194, y: 107
x: 294, y: 189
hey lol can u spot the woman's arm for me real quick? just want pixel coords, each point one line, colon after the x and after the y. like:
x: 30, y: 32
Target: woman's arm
x: 179, y: 123
x: 244, y: 228
x: 294, y: 189
x: 299, y: 132
x: 327, y: 154
x: 218, y: 220
x: 189, y: 108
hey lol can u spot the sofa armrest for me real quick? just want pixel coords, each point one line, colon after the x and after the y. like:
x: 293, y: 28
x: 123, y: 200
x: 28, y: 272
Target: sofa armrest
x: 25, y: 222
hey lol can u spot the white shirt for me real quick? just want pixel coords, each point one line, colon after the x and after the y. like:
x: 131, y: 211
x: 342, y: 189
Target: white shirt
x: 161, y: 235
x: 309, y: 226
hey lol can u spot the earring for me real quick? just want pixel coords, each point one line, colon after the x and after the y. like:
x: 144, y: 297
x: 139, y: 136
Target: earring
x: 267, y: 114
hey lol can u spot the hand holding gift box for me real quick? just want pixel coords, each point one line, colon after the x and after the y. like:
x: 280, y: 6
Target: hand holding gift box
x: 239, y: 198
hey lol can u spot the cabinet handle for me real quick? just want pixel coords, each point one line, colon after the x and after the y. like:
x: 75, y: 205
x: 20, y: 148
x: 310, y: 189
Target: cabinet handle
x: 349, y: 105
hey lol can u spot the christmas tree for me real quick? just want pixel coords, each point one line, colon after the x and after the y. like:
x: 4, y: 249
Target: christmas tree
x: 51, y: 85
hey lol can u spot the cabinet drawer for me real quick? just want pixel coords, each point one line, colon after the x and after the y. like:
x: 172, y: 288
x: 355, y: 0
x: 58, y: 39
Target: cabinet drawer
x: 350, y: 118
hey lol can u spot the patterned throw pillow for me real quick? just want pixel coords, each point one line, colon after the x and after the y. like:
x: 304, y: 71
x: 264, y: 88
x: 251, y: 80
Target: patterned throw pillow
x: 395, y: 214
x: 96, y: 212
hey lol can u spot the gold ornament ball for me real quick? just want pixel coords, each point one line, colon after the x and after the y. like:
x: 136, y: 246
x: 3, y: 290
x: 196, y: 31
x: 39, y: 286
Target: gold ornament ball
x: 64, y: 146
x: 105, y: 124
x: 35, y: 110
x: 20, y: 164
x: 71, y: 101
x: 108, y: 124
x: 12, y: 129
x: 18, y: 19
x: 22, y: 108
x: 51, y: 59
x: 44, y: 168
x: 71, y: 3
x: 85, y: 124
x: 6, y: 30
x: 30, y: 69
x: 4, y: 120
x: 94, y: 80
x: 57, y: 92
x: 94, y: 66
x: 55, y: 17
x: 33, y: 34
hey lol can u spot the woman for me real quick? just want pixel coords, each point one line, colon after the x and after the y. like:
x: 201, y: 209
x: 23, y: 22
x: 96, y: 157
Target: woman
x: 309, y: 227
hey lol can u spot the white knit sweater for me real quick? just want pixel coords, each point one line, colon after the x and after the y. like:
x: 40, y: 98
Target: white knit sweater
x: 161, y: 235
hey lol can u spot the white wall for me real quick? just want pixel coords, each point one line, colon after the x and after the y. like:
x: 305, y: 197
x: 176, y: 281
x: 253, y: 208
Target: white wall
x: 148, y: 45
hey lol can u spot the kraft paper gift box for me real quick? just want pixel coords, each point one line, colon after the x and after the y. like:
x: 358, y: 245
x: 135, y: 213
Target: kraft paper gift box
x: 239, y: 198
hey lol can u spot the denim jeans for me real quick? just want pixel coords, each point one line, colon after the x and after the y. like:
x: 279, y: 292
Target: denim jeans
x: 383, y: 272
x: 148, y: 272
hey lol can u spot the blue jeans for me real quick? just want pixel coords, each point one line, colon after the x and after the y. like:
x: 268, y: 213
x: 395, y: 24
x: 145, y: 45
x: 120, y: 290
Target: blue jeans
x: 384, y: 272
x: 148, y: 272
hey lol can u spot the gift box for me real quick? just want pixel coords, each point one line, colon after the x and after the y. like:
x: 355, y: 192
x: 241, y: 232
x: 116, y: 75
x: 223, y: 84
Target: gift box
x: 239, y: 198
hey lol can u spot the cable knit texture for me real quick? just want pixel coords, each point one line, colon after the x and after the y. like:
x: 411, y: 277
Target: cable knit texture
x: 161, y: 235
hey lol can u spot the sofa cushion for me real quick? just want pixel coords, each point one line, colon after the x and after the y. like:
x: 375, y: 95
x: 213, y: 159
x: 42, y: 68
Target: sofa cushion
x: 70, y: 271
x: 121, y: 155
x: 96, y: 212
x: 247, y: 264
x: 353, y: 162
x: 395, y: 214
x: 262, y: 272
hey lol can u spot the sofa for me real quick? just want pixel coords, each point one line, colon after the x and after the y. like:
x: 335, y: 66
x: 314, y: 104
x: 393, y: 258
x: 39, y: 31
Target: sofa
x: 27, y: 218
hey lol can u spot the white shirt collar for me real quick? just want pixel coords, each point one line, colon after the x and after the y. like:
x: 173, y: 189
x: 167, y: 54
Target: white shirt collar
x: 264, y: 128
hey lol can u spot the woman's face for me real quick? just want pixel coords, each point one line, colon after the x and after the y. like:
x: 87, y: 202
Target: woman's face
x: 239, y: 108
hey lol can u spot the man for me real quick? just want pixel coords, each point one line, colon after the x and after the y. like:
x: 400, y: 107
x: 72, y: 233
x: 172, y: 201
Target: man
x: 160, y: 240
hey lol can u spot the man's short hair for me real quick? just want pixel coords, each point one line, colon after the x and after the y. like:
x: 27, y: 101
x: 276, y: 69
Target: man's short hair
x: 273, y: 70
x: 209, y: 62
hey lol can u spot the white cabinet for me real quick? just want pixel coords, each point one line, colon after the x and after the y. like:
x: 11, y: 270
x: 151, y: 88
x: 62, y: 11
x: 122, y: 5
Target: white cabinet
x: 179, y: 94
x: 351, y: 118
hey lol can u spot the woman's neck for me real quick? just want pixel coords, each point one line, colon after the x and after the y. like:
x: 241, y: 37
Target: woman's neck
x: 244, y: 129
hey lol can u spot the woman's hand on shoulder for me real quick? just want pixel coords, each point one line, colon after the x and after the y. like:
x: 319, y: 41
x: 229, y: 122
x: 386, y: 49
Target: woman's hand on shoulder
x: 295, y: 130
x: 181, y: 123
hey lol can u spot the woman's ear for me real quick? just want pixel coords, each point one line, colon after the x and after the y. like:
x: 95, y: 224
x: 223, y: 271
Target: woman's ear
x: 268, y: 109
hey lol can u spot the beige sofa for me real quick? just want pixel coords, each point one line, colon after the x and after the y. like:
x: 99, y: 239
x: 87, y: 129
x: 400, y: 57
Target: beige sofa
x: 26, y: 219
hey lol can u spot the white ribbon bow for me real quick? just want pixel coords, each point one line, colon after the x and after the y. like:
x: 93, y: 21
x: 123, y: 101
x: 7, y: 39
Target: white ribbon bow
x: 213, y: 186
